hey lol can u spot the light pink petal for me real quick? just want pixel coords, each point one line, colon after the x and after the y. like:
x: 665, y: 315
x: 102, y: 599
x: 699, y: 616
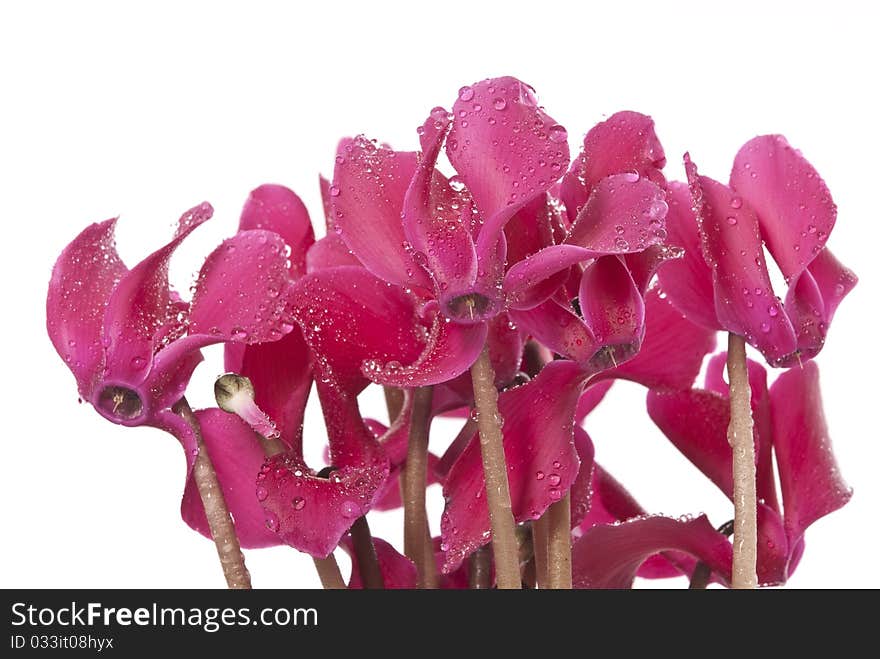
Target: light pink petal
x: 560, y: 329
x: 437, y: 221
x: 326, y: 204
x: 810, y: 479
x: 451, y: 349
x: 505, y: 148
x: 645, y: 264
x: 237, y: 456
x: 613, y: 309
x: 348, y: 316
x: 672, y: 351
x: 609, y: 556
x: 83, y: 278
x: 281, y: 372
x: 744, y: 300
x: 329, y: 252
x: 241, y: 290
x: 279, y: 209
x: 142, y: 308
x: 793, y: 203
x: 397, y: 570
x: 525, y: 283
x: 625, y: 142
x: 833, y: 279
x: 688, y: 280
x: 542, y: 461
x: 369, y: 185
x: 624, y: 213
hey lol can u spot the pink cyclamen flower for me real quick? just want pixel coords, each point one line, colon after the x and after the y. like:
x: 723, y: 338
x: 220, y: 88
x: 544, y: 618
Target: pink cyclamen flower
x: 774, y: 198
x: 790, y: 427
x: 132, y: 342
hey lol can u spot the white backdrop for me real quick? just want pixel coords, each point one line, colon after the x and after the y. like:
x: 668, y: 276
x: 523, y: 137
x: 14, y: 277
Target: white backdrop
x: 109, y: 110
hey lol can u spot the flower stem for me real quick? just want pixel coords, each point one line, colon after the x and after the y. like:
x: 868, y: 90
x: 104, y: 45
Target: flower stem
x: 559, y: 543
x: 541, y: 548
x: 504, y: 545
x: 740, y: 437
x: 480, y: 572
x: 394, y: 402
x: 365, y: 555
x: 415, y: 518
x: 219, y: 519
x: 328, y: 572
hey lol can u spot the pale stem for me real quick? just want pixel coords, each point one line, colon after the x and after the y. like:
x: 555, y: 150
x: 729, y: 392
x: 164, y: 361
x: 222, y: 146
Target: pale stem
x: 394, y: 402
x: 480, y: 573
x: 504, y: 545
x: 415, y: 517
x: 740, y: 437
x: 559, y: 543
x: 541, y: 547
x: 219, y: 520
x: 328, y: 572
x: 365, y: 555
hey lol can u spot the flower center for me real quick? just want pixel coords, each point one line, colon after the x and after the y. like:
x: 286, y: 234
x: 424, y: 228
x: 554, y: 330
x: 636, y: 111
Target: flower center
x: 468, y: 307
x: 120, y: 402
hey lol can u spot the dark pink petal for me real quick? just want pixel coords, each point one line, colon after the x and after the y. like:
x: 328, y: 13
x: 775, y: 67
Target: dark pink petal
x: 582, y: 488
x: 833, y: 279
x: 744, y: 300
x: 369, y: 185
x: 773, y: 548
x: 688, y: 280
x: 793, y: 203
x: 397, y: 570
x: 142, y: 308
x: 329, y: 252
x: 349, y: 316
x: 505, y: 148
x: 645, y: 264
x: 530, y: 230
x: 613, y: 309
x: 326, y: 203
x: 625, y: 142
x: 609, y: 556
x: 592, y: 396
x: 436, y: 220
x: 524, y: 283
x: 237, y: 456
x: 241, y: 290
x: 281, y: 372
x: 810, y: 479
x: 672, y: 350
x: 279, y: 209
x: 83, y: 278
x: 610, y: 502
x: 541, y: 459
x: 625, y: 213
x: 559, y: 328
x: 451, y: 349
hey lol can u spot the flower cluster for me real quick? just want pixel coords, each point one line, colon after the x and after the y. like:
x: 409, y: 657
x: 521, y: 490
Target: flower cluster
x: 528, y: 279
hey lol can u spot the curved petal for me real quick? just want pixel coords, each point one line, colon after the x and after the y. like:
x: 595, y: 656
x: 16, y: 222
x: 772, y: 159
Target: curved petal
x: 624, y: 213
x: 241, y: 290
x: 281, y: 373
x: 810, y: 479
x: 451, y: 349
x: 84, y: 276
x: 279, y: 209
x: 329, y: 252
x: 609, y: 556
x: 688, y: 280
x: 625, y: 142
x: 348, y: 316
x: 592, y: 396
x: 542, y: 461
x: 397, y: 570
x: 744, y: 300
x: 672, y: 351
x: 369, y: 185
x: 644, y: 265
x: 503, y: 145
x: 582, y: 487
x: 522, y: 279
x: 793, y: 203
x: 237, y: 456
x: 559, y: 328
x: 436, y: 220
x: 142, y: 308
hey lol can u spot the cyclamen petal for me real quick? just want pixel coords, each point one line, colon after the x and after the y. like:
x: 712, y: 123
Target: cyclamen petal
x: 369, y: 186
x: 329, y: 252
x: 557, y: 326
x: 541, y: 459
x: 279, y: 209
x: 397, y: 570
x: 791, y: 200
x: 83, y: 278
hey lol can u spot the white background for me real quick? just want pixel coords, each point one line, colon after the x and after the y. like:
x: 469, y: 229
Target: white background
x: 110, y: 110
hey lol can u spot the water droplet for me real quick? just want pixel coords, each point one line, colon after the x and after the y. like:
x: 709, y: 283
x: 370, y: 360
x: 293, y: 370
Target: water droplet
x: 262, y: 493
x: 539, y: 475
x: 736, y: 202
x: 350, y: 509
x: 298, y: 503
x: 499, y: 103
x: 554, y: 479
x: 765, y: 327
x: 773, y: 310
x: 138, y: 362
x: 272, y: 521
x: 334, y: 190
x: 557, y: 133
x: 731, y: 220
x: 466, y: 93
